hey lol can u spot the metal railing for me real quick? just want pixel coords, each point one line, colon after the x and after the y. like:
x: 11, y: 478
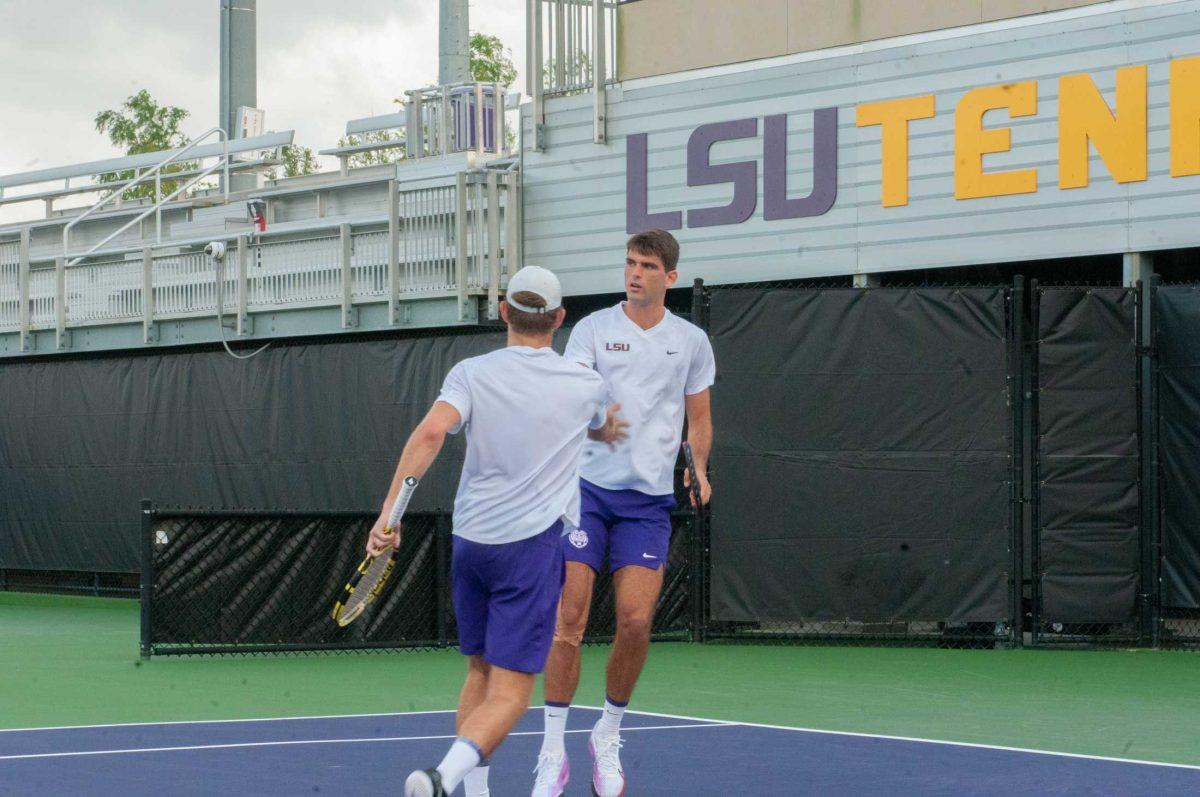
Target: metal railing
x: 463, y: 117
x: 222, y: 163
x: 458, y: 239
x: 570, y: 36
x: 572, y: 50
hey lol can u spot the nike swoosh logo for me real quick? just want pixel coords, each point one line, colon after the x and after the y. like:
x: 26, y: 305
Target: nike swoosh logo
x: 648, y: 556
x: 672, y: 352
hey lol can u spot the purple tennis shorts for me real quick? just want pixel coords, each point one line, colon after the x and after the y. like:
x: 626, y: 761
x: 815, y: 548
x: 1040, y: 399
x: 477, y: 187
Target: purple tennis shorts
x: 506, y: 598
x: 631, y: 527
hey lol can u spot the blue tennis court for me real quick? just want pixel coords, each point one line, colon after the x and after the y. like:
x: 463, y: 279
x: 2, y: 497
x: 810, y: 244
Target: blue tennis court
x: 664, y: 755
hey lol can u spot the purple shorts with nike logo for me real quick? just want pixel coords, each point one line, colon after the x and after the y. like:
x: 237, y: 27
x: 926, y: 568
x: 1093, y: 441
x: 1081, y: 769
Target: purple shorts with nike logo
x: 506, y: 598
x: 631, y: 527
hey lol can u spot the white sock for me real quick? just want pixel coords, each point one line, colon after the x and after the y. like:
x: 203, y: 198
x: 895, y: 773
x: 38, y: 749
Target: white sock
x: 610, y: 720
x: 476, y: 782
x: 464, y: 755
x: 556, y: 726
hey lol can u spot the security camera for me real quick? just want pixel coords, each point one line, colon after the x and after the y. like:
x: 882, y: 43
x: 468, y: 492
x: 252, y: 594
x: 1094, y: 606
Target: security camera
x: 215, y: 250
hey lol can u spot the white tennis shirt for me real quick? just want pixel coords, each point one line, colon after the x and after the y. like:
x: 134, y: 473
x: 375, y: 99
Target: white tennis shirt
x: 526, y: 412
x: 648, y: 371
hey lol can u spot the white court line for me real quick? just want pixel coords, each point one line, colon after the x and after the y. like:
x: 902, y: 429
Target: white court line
x: 292, y: 742
x: 920, y: 740
x: 707, y: 720
x: 212, y: 722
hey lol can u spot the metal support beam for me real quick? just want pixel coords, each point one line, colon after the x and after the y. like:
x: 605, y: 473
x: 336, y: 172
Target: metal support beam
x: 1136, y: 267
x: 238, y: 74
x: 493, y: 236
x: 537, y: 80
x: 393, y: 251
x: 347, y: 276
x: 62, y: 338
x: 23, y: 287
x: 454, y: 49
x: 866, y: 280
x: 599, y: 70
x: 148, y: 296
x: 512, y: 224
x: 460, y: 249
x: 243, y: 278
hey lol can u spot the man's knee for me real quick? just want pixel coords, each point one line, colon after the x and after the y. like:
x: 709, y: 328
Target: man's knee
x: 635, y: 623
x: 572, y: 620
x: 478, y: 666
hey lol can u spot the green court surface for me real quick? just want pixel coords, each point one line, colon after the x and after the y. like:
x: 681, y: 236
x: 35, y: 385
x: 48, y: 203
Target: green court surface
x: 74, y: 661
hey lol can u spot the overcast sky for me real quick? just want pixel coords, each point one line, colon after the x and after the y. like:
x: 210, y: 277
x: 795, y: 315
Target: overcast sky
x: 320, y: 63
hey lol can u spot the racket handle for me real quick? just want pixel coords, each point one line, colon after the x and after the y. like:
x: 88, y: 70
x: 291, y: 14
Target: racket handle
x: 406, y: 491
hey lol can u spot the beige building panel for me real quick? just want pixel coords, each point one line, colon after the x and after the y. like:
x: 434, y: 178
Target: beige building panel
x: 658, y: 37
x: 1006, y: 9
x: 661, y: 36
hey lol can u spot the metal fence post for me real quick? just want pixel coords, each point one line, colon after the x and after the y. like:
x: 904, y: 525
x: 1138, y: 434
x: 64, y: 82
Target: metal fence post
x: 23, y: 287
x: 60, y: 303
x: 461, y: 255
x: 1016, y: 373
x: 147, y: 295
x: 1035, y: 470
x: 1147, y: 493
x: 698, y: 550
x: 393, y: 251
x: 243, y: 278
x: 599, y: 74
x: 347, y: 275
x: 493, y: 240
x: 147, y: 586
x: 1155, y: 490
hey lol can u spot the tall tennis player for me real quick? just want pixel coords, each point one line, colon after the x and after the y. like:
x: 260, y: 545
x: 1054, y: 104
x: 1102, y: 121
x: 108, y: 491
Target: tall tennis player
x: 659, y: 368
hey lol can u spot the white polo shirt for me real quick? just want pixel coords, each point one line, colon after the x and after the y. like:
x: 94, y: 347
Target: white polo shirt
x: 648, y: 371
x: 526, y: 412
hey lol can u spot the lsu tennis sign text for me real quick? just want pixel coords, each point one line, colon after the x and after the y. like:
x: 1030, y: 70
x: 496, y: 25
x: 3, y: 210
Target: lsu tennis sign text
x: 1086, y: 121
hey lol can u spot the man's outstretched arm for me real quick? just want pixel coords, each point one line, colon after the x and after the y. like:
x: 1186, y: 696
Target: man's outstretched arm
x: 419, y: 453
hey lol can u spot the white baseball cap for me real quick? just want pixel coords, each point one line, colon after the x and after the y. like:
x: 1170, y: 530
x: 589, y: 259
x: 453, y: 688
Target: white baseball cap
x: 536, y: 280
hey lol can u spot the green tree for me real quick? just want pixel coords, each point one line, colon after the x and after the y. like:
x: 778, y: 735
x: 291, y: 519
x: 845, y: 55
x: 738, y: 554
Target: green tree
x: 491, y: 61
x: 141, y: 125
x: 297, y: 161
x: 377, y: 156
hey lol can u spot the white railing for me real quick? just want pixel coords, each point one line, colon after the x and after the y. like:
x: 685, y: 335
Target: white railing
x: 292, y: 273
x: 10, y: 284
x: 104, y: 291
x: 569, y: 37
x: 427, y: 239
x: 43, y: 291
x: 446, y: 240
x: 462, y: 117
x: 369, y: 265
x: 182, y: 284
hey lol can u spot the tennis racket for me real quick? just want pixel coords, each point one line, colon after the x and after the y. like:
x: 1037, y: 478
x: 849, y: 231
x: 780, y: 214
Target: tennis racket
x: 371, y: 576
x: 694, y: 487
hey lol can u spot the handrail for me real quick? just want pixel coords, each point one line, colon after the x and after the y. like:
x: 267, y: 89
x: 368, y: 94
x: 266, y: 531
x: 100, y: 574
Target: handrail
x: 143, y: 214
x: 154, y: 172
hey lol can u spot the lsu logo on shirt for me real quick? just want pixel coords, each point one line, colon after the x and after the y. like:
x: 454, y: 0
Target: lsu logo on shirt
x: 616, y: 347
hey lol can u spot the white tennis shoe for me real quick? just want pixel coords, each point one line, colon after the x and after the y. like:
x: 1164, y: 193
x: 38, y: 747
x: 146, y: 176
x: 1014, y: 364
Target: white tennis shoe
x: 553, y: 771
x: 608, y: 780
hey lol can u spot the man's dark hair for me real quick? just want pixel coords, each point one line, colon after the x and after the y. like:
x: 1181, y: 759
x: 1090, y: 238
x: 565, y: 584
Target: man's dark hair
x: 656, y: 242
x: 524, y: 323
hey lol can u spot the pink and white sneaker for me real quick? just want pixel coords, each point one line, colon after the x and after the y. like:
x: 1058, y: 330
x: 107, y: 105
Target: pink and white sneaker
x: 553, y: 771
x: 608, y: 780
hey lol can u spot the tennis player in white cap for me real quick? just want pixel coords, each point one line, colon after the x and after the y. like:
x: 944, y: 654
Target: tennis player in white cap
x: 527, y: 412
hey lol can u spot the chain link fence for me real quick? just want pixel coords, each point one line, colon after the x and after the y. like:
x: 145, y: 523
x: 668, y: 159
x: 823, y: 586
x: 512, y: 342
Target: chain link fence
x: 222, y: 582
